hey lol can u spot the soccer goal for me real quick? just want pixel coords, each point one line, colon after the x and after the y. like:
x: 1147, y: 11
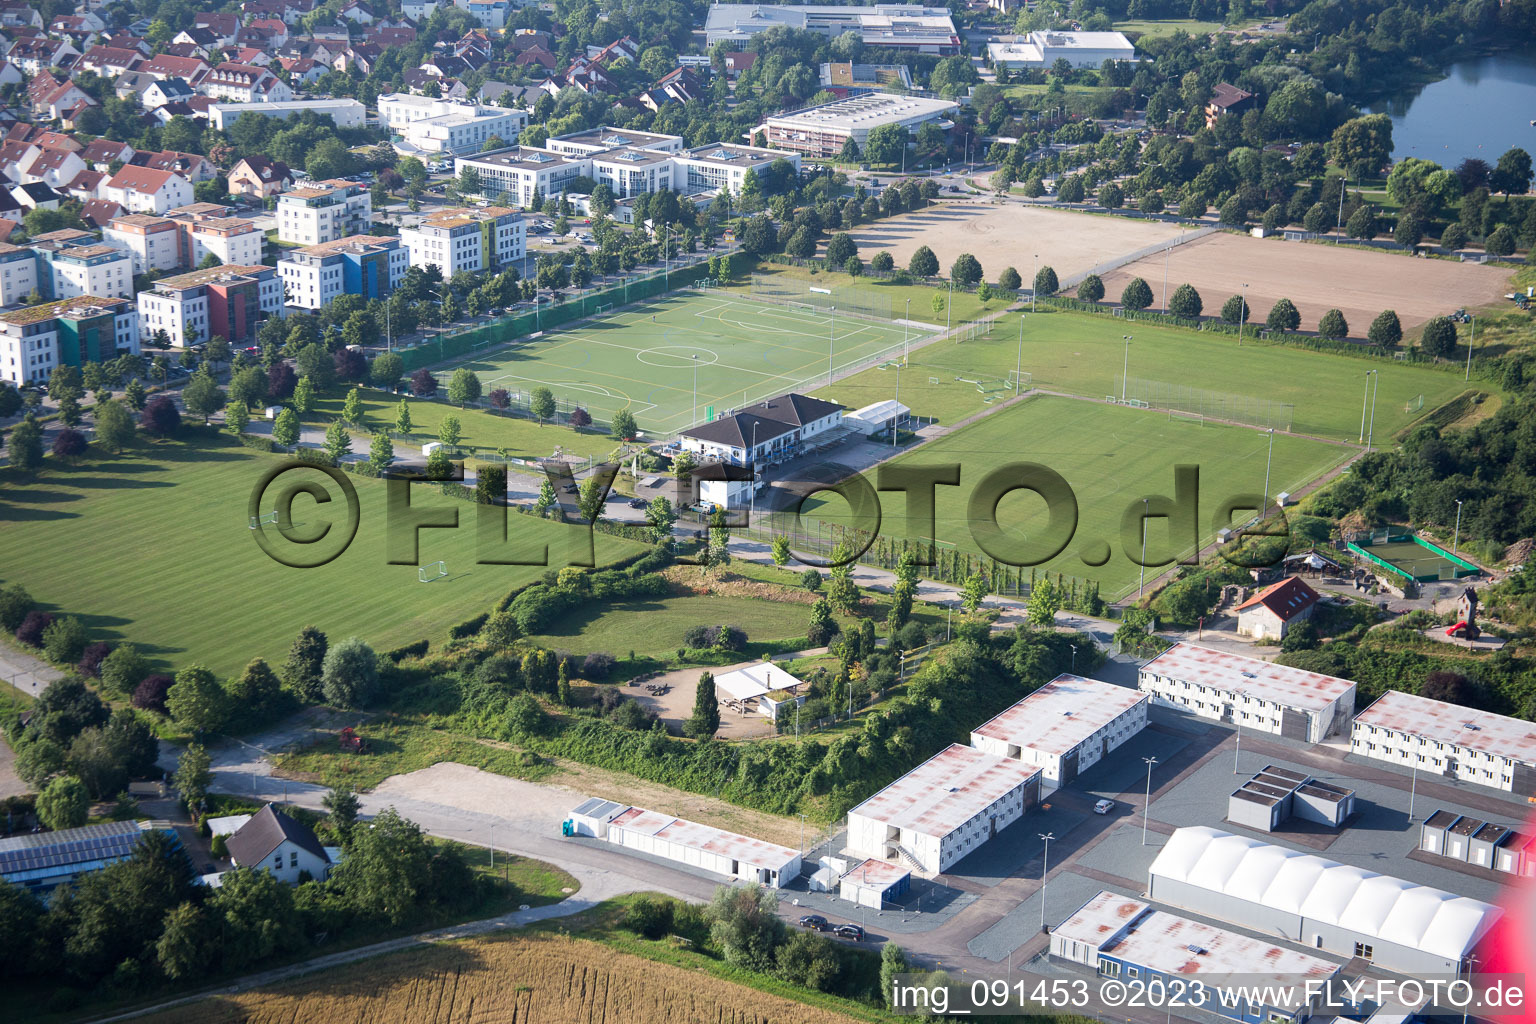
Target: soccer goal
x: 435, y: 571
x: 603, y: 310
x: 266, y: 517
x: 1020, y: 381
x: 707, y: 283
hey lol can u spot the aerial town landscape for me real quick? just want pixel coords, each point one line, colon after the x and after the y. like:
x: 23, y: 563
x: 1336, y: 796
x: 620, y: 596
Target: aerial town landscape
x: 659, y: 510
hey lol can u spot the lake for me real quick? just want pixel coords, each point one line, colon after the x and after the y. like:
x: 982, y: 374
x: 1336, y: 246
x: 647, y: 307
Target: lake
x: 1483, y: 107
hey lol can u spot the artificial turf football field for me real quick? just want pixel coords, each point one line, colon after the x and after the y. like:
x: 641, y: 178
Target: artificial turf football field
x: 644, y: 357
x: 1112, y: 457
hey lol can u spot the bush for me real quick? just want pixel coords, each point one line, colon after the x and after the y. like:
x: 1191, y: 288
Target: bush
x: 68, y: 444
x: 92, y: 657
x: 1091, y: 289
x: 1333, y: 325
x: 30, y: 632
x: 597, y: 666
x: 150, y: 694
x: 15, y: 605
x: 649, y: 918
x: 160, y: 417
x: 64, y: 640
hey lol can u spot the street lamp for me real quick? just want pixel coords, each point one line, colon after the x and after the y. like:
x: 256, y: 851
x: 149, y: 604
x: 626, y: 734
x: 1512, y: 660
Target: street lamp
x: 1018, y: 364
x: 1168, y: 252
x: 1470, y: 342
x: 1126, y: 370
x: 1242, y: 317
x: 1142, y: 585
x: 1045, y: 867
x: 1268, y: 462
x: 1370, y: 436
x: 905, y: 323
x: 1457, y: 539
x: 695, y: 357
x: 1146, y: 808
x: 1364, y: 401
x: 1034, y: 286
x: 895, y: 413
x: 831, y: 335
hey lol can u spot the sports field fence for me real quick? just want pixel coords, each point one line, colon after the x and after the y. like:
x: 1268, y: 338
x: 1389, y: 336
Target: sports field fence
x: 850, y: 299
x: 1265, y: 413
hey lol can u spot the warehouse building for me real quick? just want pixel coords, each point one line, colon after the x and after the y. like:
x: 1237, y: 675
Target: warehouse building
x: 1450, y: 740
x: 889, y: 26
x: 822, y: 131
x: 874, y: 883
x: 943, y: 809
x: 1275, y: 795
x: 1121, y: 937
x: 1321, y: 904
x: 687, y: 842
x: 1066, y: 727
x: 42, y: 861
x: 1040, y: 50
x: 1249, y: 693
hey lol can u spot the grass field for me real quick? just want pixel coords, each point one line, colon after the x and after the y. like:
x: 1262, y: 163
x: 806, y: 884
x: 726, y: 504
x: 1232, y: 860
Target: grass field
x: 1112, y: 457
x: 645, y: 357
x: 397, y: 746
x: 154, y: 548
x: 1170, y: 26
x: 617, y: 628
x: 1083, y: 354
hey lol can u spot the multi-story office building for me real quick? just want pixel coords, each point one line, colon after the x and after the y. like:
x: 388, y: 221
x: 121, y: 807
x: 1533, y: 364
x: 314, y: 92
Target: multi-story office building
x: 323, y: 212
x: 68, y: 332
x: 365, y: 265
x: 473, y: 239
x: 225, y: 301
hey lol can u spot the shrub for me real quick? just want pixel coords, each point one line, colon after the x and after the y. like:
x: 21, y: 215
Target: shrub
x: 64, y: 640
x: 1333, y: 325
x: 423, y: 384
x: 1091, y: 289
x: 30, y: 632
x: 160, y: 417
x: 69, y: 444
x: 92, y: 657
x: 597, y: 666
x: 500, y: 399
x: 15, y: 604
x: 649, y: 918
x: 151, y: 692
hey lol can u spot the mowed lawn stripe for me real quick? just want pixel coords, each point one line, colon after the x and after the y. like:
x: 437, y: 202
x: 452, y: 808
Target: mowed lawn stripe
x: 155, y: 548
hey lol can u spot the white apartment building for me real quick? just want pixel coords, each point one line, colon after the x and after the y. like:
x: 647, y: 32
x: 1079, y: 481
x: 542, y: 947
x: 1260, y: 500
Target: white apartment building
x: 345, y: 112
x: 1448, y: 740
x: 605, y: 138
x: 1043, y: 49
x: 91, y: 270
x: 66, y: 331
x: 448, y: 126
x: 18, y: 274
x: 154, y: 242
x: 228, y: 301
x: 367, y: 265
x: 183, y: 239
x: 513, y: 175
x: 724, y: 165
x: 232, y: 240
x: 473, y: 239
x: 323, y: 212
x: 1066, y: 727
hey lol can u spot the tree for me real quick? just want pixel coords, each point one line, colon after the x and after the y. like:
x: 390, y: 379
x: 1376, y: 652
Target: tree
x: 893, y: 961
x: 256, y: 690
x: 1235, y: 310
x: 450, y: 431
x: 1333, y: 325
x: 1111, y: 196
x: 386, y: 869
x: 590, y: 499
x: 93, y: 761
x: 123, y: 670
x: 350, y: 674
x: 1047, y: 284
x: 64, y: 803
x: 65, y: 708
x: 1137, y: 295
x: 150, y: 693
x: 1044, y: 602
x: 546, y: 499
x: 403, y: 422
x: 423, y: 384
x: 937, y: 302
x: 808, y: 959
x: 1234, y: 213
x: 821, y: 628
x: 303, y: 671
x: 1283, y: 316
x: 26, y: 447
x: 885, y: 144
x: 966, y: 270
x: 973, y: 591
x: 1362, y: 145
x: 352, y: 407
x: 381, y: 451
x: 1454, y: 237
x: 1091, y: 289
x: 342, y: 805
x: 160, y: 418
x: 580, y: 418
x: 1362, y: 224
x: 923, y: 262
x: 285, y: 429
x: 197, y: 701
x: 1512, y: 173
x: 38, y: 761
x: 248, y: 385
x: 64, y: 640
x: 236, y: 418
x: 780, y: 551
x: 744, y: 923
x: 386, y: 370
x: 463, y: 387
x: 882, y: 262
x: 623, y: 425
x: 1386, y: 330
x: 1009, y: 280
x: 1500, y: 242
x: 1439, y: 338
x: 188, y: 940
x: 337, y: 441
x: 193, y: 774
x: 541, y: 402
x: 705, y: 721
x: 660, y: 515
x: 839, y: 248
x: 68, y: 444
x: 1186, y: 302
x: 1318, y: 219
x: 303, y: 400
x: 135, y: 395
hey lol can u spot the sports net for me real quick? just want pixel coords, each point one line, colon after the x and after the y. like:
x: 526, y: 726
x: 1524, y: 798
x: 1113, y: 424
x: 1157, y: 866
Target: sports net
x: 265, y: 518
x: 974, y: 330
x: 846, y: 298
x: 434, y: 571
x: 1214, y: 405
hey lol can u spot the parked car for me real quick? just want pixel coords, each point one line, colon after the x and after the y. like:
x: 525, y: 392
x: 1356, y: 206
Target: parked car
x: 814, y: 921
x: 1103, y: 807
x: 570, y: 488
x: 637, y: 503
x: 849, y: 931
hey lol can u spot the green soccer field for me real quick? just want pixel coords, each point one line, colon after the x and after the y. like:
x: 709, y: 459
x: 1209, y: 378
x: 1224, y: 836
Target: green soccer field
x: 644, y: 357
x: 154, y: 548
x: 1112, y: 457
x: 1084, y: 354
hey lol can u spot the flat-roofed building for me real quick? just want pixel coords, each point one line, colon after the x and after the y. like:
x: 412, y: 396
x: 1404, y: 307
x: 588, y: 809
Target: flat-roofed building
x: 41, y: 861
x: 874, y: 883
x: 1043, y: 49
x: 945, y: 808
x: 65, y: 332
x: 633, y: 172
x: 889, y: 26
x: 687, y: 842
x: 513, y: 175
x: 724, y: 165
x: 1065, y: 727
x: 323, y: 212
x: 154, y: 241
x: 92, y: 269
x: 370, y: 266
x: 1254, y: 694
x: 1448, y: 740
x: 606, y: 137
x: 1352, y: 912
x: 183, y: 237
x: 822, y: 131
x: 468, y: 238
x: 1275, y: 794
x: 431, y: 125
x: 18, y: 274
x: 345, y: 112
x: 1120, y: 937
x: 229, y: 301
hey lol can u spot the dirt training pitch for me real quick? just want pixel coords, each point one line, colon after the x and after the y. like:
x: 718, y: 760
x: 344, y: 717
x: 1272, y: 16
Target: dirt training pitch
x: 1317, y: 277
x: 1009, y: 236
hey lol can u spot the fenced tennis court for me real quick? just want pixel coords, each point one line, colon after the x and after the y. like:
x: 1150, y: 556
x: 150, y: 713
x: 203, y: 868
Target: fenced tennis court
x: 686, y: 357
x: 1411, y: 556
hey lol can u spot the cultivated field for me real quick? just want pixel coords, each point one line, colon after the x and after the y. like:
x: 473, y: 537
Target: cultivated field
x: 154, y: 548
x: 1010, y: 236
x: 1112, y: 457
x: 646, y: 357
x: 615, y: 627
x: 1083, y: 354
x: 1317, y: 278
x: 526, y: 978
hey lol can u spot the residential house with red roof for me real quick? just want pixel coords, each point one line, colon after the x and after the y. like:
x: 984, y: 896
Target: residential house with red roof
x: 36, y: 54
x: 109, y: 61
x: 259, y: 176
x: 54, y: 167
x: 165, y: 66
x: 192, y: 166
x: 101, y: 153
x: 98, y: 213
x: 53, y: 97
x: 148, y: 189
x: 1274, y: 611
x: 244, y: 83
